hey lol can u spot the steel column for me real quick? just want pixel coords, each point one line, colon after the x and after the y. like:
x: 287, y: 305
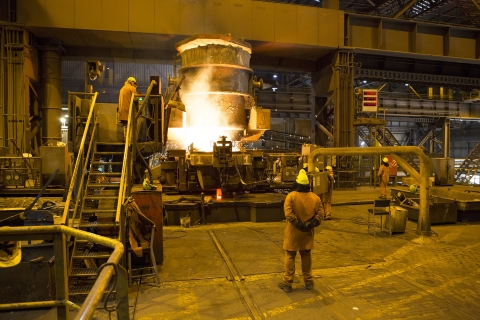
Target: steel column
x: 51, y: 77
x: 446, y: 138
x: 61, y: 279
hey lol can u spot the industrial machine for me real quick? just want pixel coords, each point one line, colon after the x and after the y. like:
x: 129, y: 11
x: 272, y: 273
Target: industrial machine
x: 210, y: 120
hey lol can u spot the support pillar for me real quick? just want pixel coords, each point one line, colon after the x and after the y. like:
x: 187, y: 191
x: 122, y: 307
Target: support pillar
x: 344, y: 110
x: 51, y: 77
x: 446, y: 138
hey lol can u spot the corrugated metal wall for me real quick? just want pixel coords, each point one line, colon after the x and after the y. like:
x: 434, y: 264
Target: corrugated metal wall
x: 109, y: 83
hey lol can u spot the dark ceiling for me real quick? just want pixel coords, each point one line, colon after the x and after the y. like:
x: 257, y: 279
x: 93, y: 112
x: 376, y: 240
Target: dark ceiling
x: 450, y: 12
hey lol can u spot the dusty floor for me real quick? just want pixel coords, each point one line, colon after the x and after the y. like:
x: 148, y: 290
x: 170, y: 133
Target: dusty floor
x: 231, y: 271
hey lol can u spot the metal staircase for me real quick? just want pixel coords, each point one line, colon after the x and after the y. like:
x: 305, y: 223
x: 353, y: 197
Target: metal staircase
x: 98, y: 215
x: 95, y: 198
x: 430, y: 136
x: 385, y: 137
x: 365, y: 136
x: 102, y: 179
x: 469, y: 167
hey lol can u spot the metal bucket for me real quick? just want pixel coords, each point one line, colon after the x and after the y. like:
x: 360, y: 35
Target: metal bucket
x: 185, y: 222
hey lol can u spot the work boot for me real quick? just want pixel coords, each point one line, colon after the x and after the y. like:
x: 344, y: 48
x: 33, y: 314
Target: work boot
x: 309, y: 285
x: 285, y: 287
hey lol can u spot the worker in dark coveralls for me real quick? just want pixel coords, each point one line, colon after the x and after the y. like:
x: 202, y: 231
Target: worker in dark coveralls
x: 327, y: 196
x: 303, y: 212
x: 384, y: 176
x: 124, y: 100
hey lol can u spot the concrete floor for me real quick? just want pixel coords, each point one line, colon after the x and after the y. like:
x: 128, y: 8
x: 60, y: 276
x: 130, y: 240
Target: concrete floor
x: 231, y: 271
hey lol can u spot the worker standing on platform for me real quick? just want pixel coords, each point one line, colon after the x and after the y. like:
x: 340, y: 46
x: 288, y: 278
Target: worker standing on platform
x: 384, y: 177
x: 303, y: 212
x: 327, y: 196
x: 124, y: 100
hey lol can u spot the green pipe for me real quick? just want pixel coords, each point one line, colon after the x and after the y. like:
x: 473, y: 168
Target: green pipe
x: 423, y: 224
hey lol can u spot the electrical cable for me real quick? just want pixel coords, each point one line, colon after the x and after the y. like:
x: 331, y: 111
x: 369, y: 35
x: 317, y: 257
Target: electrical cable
x: 9, y: 217
x: 136, y: 299
x: 114, y: 308
x: 168, y: 237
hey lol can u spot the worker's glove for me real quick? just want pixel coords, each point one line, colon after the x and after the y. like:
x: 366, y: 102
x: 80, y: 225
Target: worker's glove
x: 300, y: 226
x: 312, y: 223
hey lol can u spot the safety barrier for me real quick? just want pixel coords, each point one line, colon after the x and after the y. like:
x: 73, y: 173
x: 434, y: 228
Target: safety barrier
x: 58, y: 234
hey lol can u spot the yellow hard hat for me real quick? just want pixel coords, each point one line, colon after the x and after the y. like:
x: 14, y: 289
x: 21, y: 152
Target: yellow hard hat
x: 385, y: 160
x: 328, y: 168
x: 305, y: 165
x: 302, y: 177
x: 132, y: 79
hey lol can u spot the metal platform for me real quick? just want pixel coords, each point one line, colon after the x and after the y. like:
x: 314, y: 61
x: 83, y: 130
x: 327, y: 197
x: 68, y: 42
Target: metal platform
x: 253, y: 207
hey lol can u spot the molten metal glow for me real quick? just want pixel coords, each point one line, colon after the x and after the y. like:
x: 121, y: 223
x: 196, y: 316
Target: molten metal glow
x: 206, y: 118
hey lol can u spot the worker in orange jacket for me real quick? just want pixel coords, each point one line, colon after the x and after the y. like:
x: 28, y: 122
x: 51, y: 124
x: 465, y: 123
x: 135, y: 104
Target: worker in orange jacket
x: 327, y: 196
x: 384, y: 176
x: 124, y: 101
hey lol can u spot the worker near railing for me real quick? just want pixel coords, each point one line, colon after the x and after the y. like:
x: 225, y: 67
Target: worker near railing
x: 384, y: 176
x: 303, y: 212
x: 327, y: 196
x: 124, y: 100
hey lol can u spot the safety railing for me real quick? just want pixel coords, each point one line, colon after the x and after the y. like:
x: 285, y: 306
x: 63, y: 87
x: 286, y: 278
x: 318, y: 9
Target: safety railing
x: 124, y: 192
x: 111, y: 268
x: 82, y: 157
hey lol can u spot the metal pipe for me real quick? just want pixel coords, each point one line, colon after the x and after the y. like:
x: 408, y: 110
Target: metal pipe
x: 84, y: 93
x: 33, y: 304
x: 36, y: 230
x: 423, y: 225
x: 325, y: 130
x: 407, y: 167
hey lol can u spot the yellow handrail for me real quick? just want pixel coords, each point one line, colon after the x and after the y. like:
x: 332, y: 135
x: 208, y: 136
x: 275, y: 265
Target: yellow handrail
x: 126, y: 156
x: 78, y: 161
x: 58, y: 232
